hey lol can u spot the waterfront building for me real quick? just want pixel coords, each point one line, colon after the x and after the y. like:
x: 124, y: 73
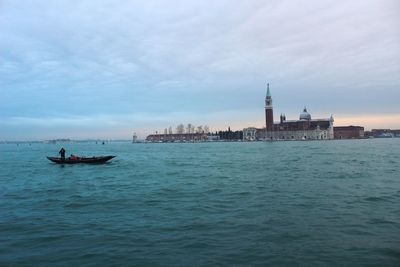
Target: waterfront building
x: 348, y: 132
x: 250, y: 134
x: 213, y: 137
x: 305, y: 128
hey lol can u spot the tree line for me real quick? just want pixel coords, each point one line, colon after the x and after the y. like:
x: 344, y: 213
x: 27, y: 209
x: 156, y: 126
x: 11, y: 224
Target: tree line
x: 191, y: 129
x: 188, y: 129
x: 230, y: 135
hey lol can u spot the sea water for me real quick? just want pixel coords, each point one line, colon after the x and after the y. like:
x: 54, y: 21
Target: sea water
x: 202, y: 204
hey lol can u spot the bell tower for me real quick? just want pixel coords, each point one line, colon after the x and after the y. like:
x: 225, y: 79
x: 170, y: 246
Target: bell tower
x: 269, y: 113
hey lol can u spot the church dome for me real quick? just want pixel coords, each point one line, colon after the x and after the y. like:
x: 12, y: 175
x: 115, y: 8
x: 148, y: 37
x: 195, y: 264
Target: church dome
x: 305, y: 115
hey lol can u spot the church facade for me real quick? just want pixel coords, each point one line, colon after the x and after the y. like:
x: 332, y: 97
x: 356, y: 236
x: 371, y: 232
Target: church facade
x: 305, y: 128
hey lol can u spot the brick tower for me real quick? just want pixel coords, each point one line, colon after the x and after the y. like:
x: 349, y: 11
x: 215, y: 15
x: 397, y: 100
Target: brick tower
x: 269, y: 113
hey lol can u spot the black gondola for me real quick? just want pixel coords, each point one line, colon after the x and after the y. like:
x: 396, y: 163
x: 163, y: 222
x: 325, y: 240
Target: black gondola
x: 75, y: 160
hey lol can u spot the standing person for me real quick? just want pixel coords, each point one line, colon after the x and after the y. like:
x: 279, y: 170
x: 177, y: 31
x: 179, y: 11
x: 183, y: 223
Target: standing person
x: 62, y: 153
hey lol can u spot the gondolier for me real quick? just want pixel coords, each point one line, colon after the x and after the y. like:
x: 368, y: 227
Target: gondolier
x: 62, y: 153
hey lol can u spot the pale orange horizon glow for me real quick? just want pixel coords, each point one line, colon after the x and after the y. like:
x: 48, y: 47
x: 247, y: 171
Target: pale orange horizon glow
x: 384, y: 121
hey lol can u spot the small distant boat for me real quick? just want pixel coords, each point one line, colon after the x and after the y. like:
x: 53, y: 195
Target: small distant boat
x: 385, y: 135
x: 75, y: 160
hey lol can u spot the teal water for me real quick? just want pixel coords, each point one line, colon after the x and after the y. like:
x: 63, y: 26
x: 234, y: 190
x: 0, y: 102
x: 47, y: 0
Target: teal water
x: 318, y: 203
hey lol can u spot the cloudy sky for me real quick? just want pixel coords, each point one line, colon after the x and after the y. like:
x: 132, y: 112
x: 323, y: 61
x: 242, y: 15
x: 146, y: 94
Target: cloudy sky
x: 106, y: 69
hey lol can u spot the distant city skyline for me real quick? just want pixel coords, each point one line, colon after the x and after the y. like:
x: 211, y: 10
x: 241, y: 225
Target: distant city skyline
x: 107, y: 69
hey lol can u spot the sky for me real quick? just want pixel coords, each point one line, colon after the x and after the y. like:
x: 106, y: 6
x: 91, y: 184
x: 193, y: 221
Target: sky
x: 107, y: 69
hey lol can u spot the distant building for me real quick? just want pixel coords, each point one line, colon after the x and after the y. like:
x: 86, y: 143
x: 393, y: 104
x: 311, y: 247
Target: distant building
x: 348, y: 132
x: 250, y: 134
x: 303, y: 129
x: 134, y: 138
x: 213, y: 137
x: 383, y: 133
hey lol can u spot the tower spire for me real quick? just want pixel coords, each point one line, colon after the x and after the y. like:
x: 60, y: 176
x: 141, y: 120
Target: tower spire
x: 268, y: 92
x: 269, y: 113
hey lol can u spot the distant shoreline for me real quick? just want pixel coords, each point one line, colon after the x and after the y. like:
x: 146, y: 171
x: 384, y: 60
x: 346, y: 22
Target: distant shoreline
x: 188, y: 142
